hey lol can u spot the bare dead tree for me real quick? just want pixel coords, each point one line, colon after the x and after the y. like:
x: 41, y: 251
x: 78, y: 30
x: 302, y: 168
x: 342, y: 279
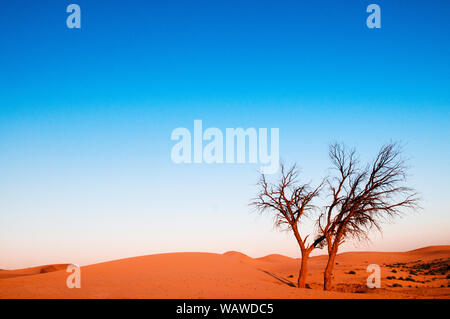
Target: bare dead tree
x: 290, y: 202
x: 362, y: 198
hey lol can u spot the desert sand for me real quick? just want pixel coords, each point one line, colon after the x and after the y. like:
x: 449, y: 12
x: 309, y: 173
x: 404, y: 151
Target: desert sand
x: 421, y: 273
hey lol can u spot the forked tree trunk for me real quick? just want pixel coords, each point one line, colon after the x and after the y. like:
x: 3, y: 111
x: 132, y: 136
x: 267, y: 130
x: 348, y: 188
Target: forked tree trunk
x: 303, y: 269
x: 328, y: 273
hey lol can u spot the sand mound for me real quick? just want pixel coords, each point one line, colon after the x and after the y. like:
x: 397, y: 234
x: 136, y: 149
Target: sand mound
x: 230, y: 275
x: 429, y: 249
x: 177, y: 275
x: 431, y: 252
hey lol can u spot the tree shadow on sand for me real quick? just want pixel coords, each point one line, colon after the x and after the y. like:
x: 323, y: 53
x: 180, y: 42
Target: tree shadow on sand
x: 284, y: 281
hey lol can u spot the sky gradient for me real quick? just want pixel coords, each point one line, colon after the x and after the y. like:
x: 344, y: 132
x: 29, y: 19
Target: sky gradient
x: 86, y: 117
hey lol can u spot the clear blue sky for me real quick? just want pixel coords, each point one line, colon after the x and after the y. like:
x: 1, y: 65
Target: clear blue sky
x: 86, y: 117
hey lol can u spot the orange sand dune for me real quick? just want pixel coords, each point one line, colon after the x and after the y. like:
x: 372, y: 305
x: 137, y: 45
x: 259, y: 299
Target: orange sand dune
x: 31, y: 271
x: 236, y: 275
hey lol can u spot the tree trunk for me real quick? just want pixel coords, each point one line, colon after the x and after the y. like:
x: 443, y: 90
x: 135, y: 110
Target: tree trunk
x: 303, y: 270
x: 328, y: 273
